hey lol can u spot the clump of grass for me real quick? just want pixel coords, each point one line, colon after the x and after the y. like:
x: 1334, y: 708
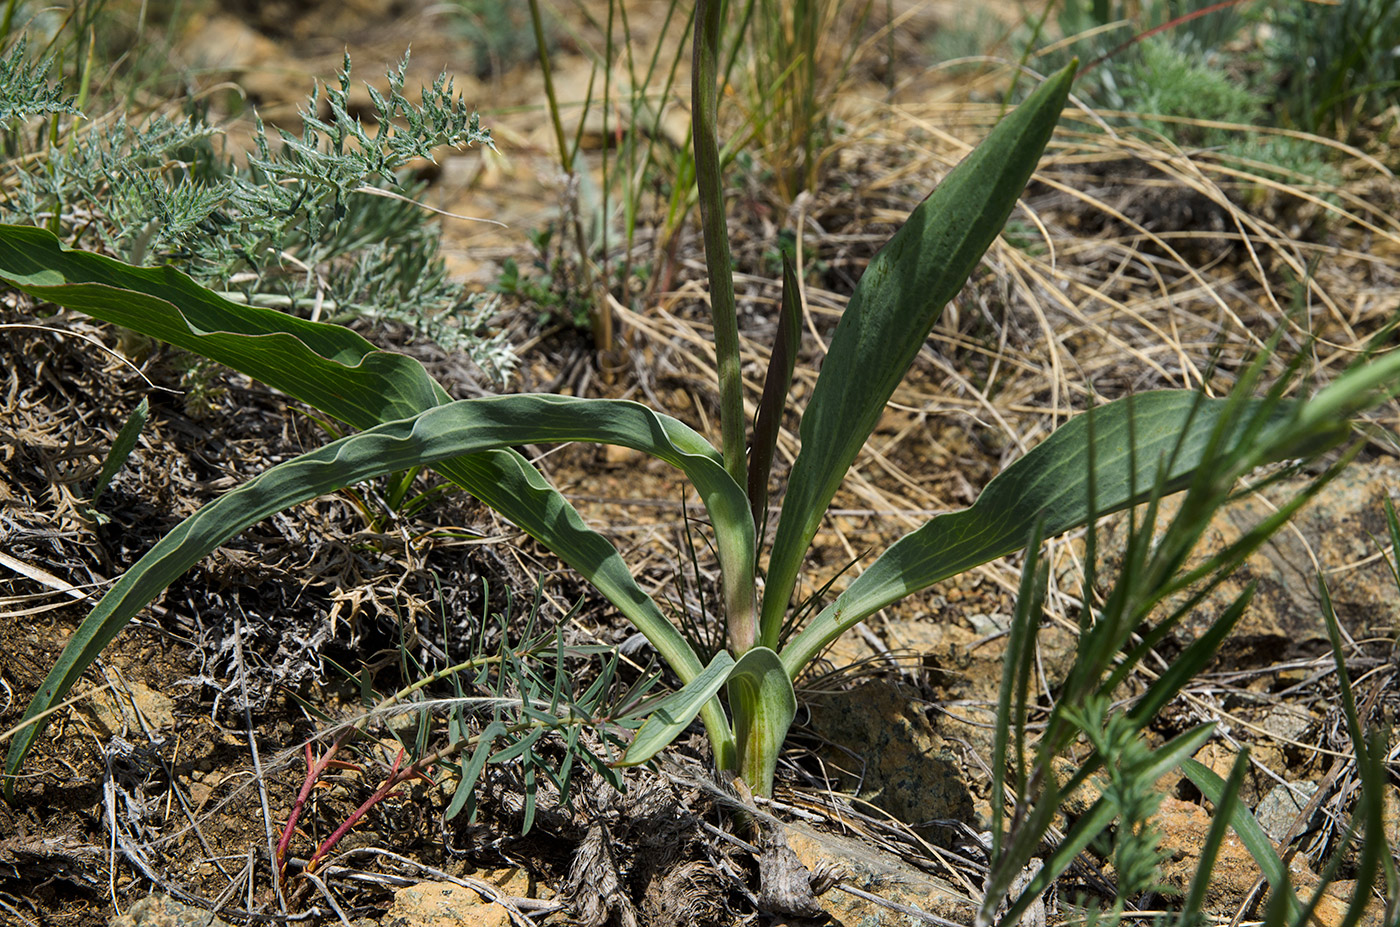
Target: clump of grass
x: 796, y: 58
x: 1174, y: 67
x: 1336, y: 67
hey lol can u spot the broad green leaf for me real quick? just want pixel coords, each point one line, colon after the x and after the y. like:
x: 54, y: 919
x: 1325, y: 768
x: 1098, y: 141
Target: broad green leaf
x: 326, y: 366
x: 675, y: 712
x: 899, y: 298
x: 1133, y: 437
x: 763, y: 703
x: 441, y: 433
x: 337, y: 372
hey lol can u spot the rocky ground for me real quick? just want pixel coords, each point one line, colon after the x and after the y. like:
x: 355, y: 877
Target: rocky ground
x: 156, y: 797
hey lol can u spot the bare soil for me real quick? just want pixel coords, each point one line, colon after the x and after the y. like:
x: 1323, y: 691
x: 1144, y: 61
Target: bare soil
x: 262, y: 648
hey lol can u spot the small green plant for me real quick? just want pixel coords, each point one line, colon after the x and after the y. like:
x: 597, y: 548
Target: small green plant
x: 1169, y: 69
x: 26, y: 89
x: 1122, y: 453
x: 521, y: 689
x: 1105, y: 28
x: 545, y: 286
x: 498, y: 36
x: 1152, y: 590
x: 597, y: 247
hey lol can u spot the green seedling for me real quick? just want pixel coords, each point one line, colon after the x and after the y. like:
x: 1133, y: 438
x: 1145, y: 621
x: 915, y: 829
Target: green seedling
x: 1152, y: 440
x: 121, y: 449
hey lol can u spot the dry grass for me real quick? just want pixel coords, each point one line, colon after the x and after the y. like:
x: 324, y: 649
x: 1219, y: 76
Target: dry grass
x: 1136, y: 266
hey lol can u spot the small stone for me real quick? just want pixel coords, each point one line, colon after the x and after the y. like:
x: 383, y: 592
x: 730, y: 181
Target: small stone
x: 1287, y: 722
x: 447, y: 904
x: 865, y: 867
x: 891, y: 755
x: 989, y: 624
x: 443, y: 904
x: 1184, y: 828
x: 164, y: 911
x: 111, y: 710
x: 1277, y: 810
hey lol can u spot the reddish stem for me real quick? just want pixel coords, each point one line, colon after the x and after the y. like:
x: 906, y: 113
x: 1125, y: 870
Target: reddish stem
x: 313, y: 773
x: 395, y: 780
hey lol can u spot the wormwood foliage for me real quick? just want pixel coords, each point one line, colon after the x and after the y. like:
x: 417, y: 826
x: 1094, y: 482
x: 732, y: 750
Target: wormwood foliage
x: 506, y: 698
x: 323, y: 220
x: 25, y: 89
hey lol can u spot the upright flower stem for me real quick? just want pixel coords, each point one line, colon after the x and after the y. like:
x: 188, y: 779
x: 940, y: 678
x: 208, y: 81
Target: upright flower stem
x: 704, y: 92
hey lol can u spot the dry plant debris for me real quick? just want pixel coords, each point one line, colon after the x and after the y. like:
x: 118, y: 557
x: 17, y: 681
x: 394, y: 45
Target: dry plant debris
x: 1136, y: 266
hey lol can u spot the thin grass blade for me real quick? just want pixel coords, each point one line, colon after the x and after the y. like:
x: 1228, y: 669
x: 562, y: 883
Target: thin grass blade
x: 1246, y: 827
x: 1013, y: 695
x: 1190, y: 912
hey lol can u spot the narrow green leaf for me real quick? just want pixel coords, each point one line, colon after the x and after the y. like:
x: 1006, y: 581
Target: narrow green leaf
x: 121, y: 448
x: 1133, y: 438
x: 1370, y: 809
x: 518, y: 748
x: 675, y: 712
x: 899, y: 298
x: 776, y: 385
x: 1334, y: 637
x: 1200, y: 880
x: 763, y: 703
x: 1392, y: 523
x: 1246, y: 827
x: 472, y: 767
x: 1014, y: 692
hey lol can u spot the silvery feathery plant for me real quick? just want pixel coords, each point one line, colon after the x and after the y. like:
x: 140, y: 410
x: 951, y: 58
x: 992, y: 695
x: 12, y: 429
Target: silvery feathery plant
x: 1153, y: 440
x: 323, y: 220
